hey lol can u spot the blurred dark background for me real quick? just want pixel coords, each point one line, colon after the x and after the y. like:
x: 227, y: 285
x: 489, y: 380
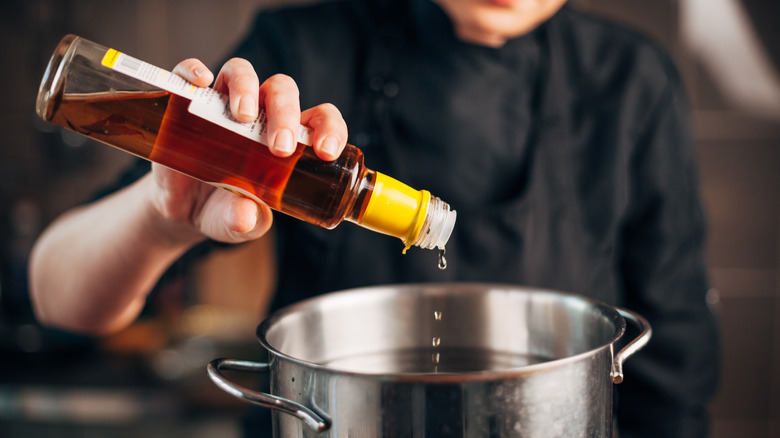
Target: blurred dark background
x: 148, y: 380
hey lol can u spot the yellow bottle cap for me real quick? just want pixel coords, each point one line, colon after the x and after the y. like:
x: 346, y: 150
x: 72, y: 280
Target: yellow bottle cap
x: 396, y: 209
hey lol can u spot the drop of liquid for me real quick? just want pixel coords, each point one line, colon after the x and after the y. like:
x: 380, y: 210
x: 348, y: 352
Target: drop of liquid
x: 436, y: 341
x: 442, y: 259
x: 437, y: 315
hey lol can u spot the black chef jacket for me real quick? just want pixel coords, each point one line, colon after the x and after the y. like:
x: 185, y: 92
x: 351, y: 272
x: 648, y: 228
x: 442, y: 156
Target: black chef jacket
x: 566, y: 154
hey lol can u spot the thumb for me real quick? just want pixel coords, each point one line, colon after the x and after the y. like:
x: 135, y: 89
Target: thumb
x: 231, y: 218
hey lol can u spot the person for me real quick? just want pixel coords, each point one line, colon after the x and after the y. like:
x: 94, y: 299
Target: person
x: 560, y: 138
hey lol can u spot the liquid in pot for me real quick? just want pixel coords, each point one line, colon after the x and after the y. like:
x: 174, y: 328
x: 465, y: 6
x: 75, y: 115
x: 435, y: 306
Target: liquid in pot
x: 434, y: 360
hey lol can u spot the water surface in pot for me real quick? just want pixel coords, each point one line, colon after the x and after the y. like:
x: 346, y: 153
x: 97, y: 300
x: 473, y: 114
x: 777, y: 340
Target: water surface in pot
x: 434, y: 360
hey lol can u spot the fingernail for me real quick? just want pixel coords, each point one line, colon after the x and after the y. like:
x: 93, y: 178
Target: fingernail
x: 247, y: 106
x: 284, y: 142
x: 330, y: 146
x: 202, y: 73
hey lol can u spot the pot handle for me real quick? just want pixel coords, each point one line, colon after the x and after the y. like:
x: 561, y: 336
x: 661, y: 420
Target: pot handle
x: 214, y: 369
x: 633, y: 346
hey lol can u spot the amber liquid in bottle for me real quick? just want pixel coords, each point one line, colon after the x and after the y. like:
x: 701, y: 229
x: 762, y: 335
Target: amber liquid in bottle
x: 158, y: 126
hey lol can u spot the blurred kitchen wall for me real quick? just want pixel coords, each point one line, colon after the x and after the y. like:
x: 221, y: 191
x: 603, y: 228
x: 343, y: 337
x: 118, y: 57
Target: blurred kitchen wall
x: 727, y: 50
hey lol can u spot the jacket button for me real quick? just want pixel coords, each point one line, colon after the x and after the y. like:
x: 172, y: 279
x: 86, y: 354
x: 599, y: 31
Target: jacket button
x: 376, y: 83
x: 390, y: 89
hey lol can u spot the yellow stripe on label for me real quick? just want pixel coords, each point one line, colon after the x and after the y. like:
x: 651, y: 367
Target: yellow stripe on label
x: 395, y: 209
x: 109, y: 59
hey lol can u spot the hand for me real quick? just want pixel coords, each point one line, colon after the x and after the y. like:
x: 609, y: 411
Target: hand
x: 222, y: 215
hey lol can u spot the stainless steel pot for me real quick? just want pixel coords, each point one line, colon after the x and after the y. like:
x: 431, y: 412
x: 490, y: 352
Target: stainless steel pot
x: 441, y: 360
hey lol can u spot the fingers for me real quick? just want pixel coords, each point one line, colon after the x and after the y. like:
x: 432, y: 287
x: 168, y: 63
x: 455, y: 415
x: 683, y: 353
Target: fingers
x: 280, y: 98
x: 278, y: 95
x: 329, y: 130
x: 238, y: 79
x: 195, y: 72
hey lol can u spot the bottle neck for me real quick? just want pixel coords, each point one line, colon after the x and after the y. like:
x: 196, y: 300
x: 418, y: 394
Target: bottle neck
x: 391, y: 207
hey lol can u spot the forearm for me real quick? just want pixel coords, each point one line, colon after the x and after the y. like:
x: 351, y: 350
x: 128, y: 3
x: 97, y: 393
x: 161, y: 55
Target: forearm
x: 92, y: 269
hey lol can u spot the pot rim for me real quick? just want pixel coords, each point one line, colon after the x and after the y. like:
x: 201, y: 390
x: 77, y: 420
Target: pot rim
x: 509, y: 373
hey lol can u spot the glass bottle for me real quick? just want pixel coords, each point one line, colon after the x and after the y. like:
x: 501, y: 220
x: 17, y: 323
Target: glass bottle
x: 153, y: 114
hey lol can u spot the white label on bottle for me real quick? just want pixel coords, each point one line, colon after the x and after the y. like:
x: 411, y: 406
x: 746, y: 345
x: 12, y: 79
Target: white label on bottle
x: 205, y: 102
